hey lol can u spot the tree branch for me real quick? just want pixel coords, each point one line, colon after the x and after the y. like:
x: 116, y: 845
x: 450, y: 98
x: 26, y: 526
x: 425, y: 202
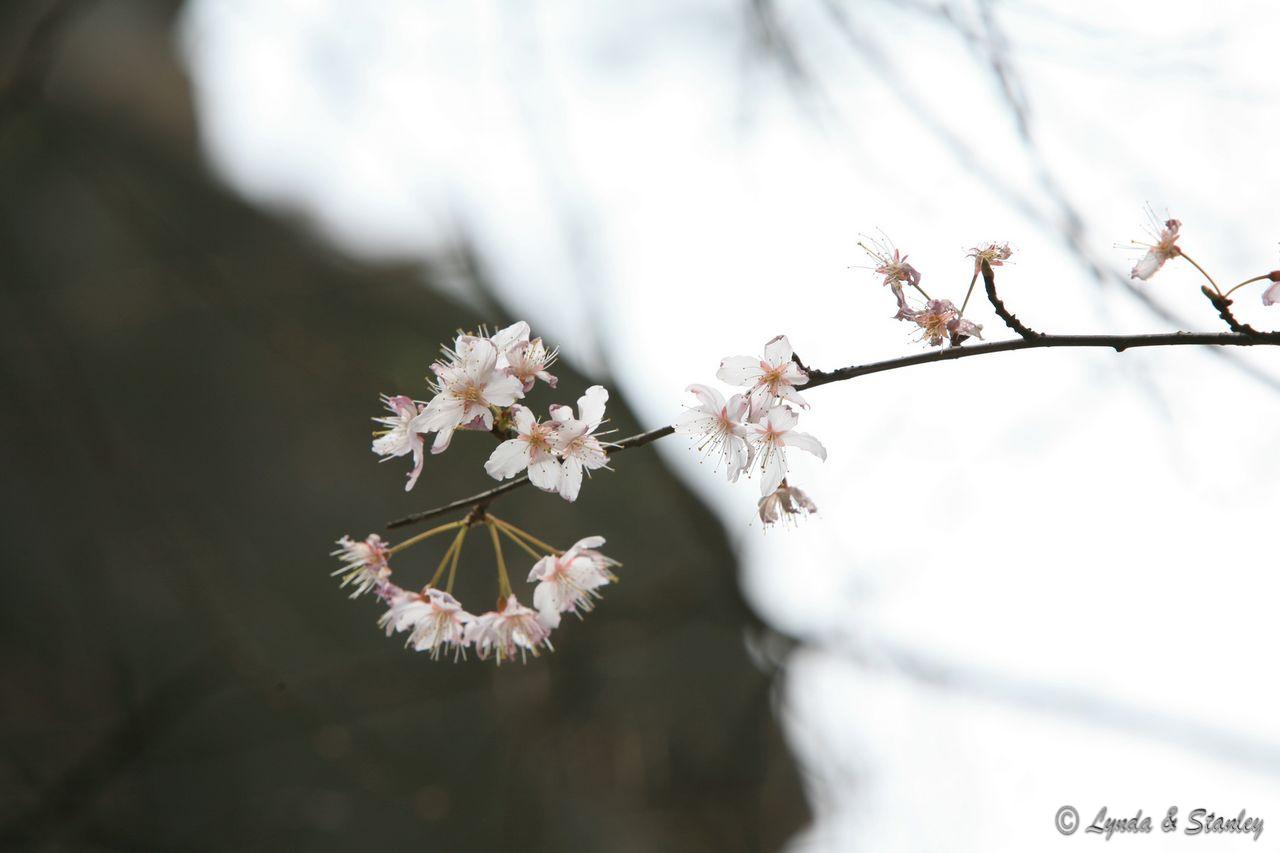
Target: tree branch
x: 1223, y: 304
x: 818, y: 378
x: 989, y: 279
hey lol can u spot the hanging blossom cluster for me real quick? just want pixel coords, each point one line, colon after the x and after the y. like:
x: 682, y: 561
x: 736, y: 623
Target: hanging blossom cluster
x: 480, y: 384
x: 477, y: 385
x: 937, y: 321
x: 751, y: 431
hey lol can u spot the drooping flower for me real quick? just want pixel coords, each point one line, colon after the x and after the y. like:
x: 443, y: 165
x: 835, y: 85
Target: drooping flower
x: 404, y: 434
x: 364, y: 563
x: 717, y: 428
x: 1164, y: 247
x: 533, y: 448
x: 576, y: 441
x: 1271, y: 295
x: 434, y: 619
x: 511, y: 628
x: 569, y: 581
x: 994, y: 254
x: 785, y: 503
x: 772, y: 377
x: 769, y: 439
x: 467, y: 384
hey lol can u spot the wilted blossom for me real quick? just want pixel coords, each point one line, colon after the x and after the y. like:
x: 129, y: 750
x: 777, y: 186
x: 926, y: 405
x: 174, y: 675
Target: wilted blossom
x: 1163, y: 249
x: 404, y: 434
x: 717, y: 427
x: 532, y: 449
x: 769, y: 439
x: 511, y: 628
x: 940, y: 321
x: 771, y: 377
x: 576, y: 441
x: 364, y: 563
x: 786, y: 503
x: 994, y: 254
x: 467, y: 384
x: 893, y: 265
x: 569, y: 581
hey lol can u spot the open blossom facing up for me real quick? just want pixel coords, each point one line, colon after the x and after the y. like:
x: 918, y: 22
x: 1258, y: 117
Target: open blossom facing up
x: 786, y: 503
x: 512, y: 629
x: 364, y: 563
x: 771, y: 377
x: 467, y: 384
x: 403, y: 434
x: 994, y: 254
x: 717, y: 427
x: 769, y: 440
x: 533, y: 449
x: 569, y: 581
x: 1164, y: 248
x: 576, y: 441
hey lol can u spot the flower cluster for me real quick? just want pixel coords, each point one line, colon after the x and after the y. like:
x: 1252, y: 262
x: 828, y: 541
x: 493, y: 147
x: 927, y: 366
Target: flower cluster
x: 938, y: 321
x: 435, y: 622
x: 477, y: 384
x: 750, y: 432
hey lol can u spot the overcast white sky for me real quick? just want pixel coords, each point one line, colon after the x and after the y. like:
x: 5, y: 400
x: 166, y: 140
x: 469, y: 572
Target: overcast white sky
x: 1042, y: 578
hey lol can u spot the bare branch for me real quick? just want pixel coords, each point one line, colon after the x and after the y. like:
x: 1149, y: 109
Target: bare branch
x: 989, y: 279
x: 1223, y: 304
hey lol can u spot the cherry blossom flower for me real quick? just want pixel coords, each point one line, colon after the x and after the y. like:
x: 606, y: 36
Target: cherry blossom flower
x: 528, y: 361
x: 786, y: 503
x: 940, y: 321
x: 891, y: 263
x: 1271, y: 295
x: 434, y: 619
x: 533, y: 448
x: 994, y: 254
x: 769, y: 439
x: 771, y: 378
x: 576, y: 441
x: 404, y: 434
x: 510, y: 628
x: 467, y: 385
x: 1164, y: 247
x: 364, y: 564
x: 717, y: 428
x: 568, y: 582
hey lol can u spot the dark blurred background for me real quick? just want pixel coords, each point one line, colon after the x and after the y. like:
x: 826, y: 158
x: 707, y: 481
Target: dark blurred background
x: 187, y: 384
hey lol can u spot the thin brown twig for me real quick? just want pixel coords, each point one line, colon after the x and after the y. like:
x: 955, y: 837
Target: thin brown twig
x: 1223, y: 304
x: 1010, y: 320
